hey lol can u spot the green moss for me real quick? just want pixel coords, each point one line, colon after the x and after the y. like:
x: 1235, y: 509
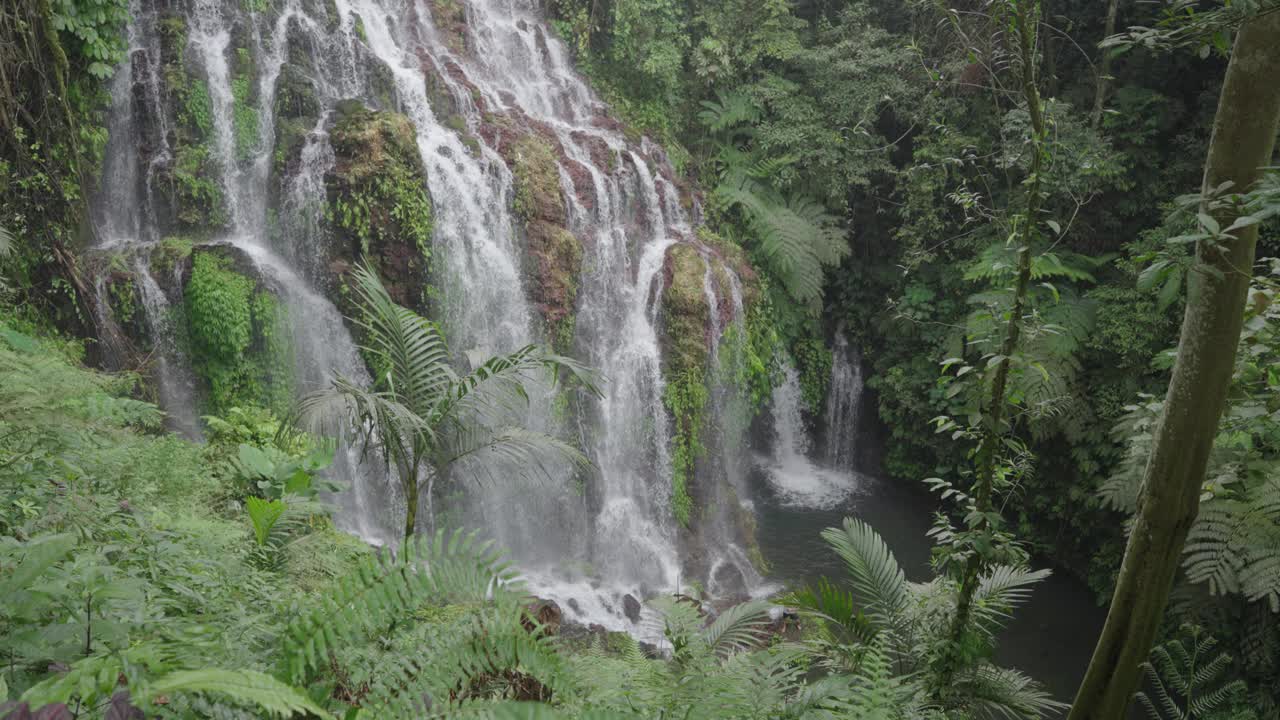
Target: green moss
x: 173, y: 37
x: 170, y: 252
x: 685, y: 318
x: 197, y: 194
x: 296, y: 110
x: 197, y: 110
x: 382, y: 194
x: 237, y: 335
x: 686, y: 399
x: 537, y: 180
x: 685, y: 314
x: 456, y: 123
x: 123, y: 297
x: 245, y: 119
x: 556, y: 260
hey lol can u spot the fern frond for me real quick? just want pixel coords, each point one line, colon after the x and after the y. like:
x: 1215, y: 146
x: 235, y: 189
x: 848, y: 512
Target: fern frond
x: 244, y: 686
x: 386, y: 587
x: 993, y: 691
x: 1185, y: 680
x: 732, y: 110
x: 454, y: 668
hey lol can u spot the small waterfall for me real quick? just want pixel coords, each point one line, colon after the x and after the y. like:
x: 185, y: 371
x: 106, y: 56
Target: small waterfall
x: 175, y: 384
x: 796, y: 479
x: 844, y: 403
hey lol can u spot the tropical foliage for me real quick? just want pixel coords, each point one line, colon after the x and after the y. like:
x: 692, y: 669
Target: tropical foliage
x: 427, y: 422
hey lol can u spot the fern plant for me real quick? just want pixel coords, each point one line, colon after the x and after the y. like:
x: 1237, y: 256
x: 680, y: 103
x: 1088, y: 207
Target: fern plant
x: 717, y: 669
x: 1186, y: 680
x: 793, y: 234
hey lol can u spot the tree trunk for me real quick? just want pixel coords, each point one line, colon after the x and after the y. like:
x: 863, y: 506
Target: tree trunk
x: 1104, y: 67
x: 410, y: 482
x: 1244, y: 134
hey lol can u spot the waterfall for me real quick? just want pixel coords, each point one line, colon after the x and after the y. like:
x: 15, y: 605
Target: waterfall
x: 465, y: 82
x: 175, y: 384
x: 844, y: 402
x: 795, y: 477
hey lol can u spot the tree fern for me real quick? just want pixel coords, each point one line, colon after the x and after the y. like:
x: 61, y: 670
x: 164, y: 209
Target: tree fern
x: 794, y: 235
x: 729, y: 111
x: 1186, y: 679
x: 1234, y: 545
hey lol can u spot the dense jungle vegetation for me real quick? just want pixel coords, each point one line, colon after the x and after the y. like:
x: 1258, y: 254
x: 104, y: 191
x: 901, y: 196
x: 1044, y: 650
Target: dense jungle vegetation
x: 1050, y: 227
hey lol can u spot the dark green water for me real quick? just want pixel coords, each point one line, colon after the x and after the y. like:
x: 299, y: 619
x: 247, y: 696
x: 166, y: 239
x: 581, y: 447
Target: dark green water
x: 1050, y: 638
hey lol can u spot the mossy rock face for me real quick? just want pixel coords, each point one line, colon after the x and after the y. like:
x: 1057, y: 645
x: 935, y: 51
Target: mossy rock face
x: 450, y: 19
x: 187, y: 187
x: 685, y: 314
x: 556, y: 258
x: 685, y: 359
x: 237, y: 332
x: 554, y: 254
x: 537, y: 180
x: 378, y: 203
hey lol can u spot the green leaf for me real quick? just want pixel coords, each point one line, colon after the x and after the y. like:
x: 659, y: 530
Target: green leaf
x: 244, y: 686
x: 42, y: 554
x: 1209, y: 223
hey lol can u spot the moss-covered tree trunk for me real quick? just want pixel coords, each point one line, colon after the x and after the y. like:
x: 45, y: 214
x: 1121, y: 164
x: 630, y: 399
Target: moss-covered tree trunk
x: 1244, y: 134
x: 1104, y: 66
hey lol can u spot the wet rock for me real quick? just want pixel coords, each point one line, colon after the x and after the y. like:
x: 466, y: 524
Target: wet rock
x: 631, y: 608
x: 542, y: 617
x: 685, y: 315
x: 450, y: 19
x: 378, y: 203
x: 574, y: 606
x: 650, y: 650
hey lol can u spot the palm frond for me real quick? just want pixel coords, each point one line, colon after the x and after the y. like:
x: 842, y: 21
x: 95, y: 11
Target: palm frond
x: 480, y: 451
x: 878, y: 581
x: 417, y: 359
x: 738, y: 628
x: 498, y: 384
x: 378, y: 419
x: 1000, y: 591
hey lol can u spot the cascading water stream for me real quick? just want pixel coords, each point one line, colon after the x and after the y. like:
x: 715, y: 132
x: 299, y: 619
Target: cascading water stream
x: 590, y: 539
x: 844, y: 403
x: 175, y: 384
x: 796, y: 479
